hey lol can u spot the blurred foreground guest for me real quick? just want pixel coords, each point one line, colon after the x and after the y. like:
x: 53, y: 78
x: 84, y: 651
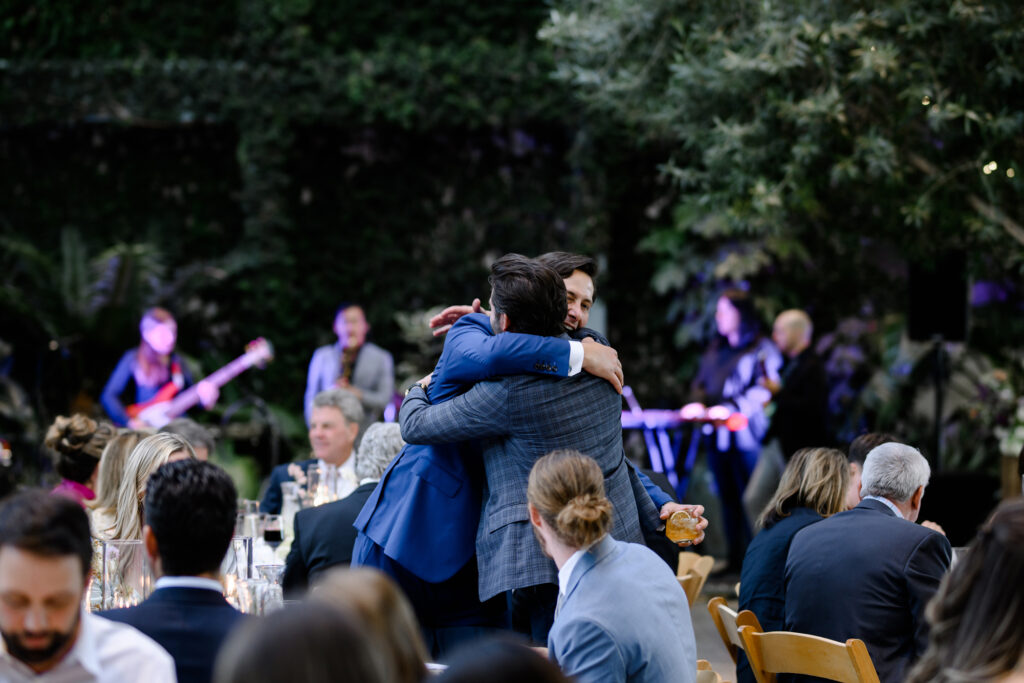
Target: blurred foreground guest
x: 78, y: 442
x: 156, y: 372
x: 303, y: 643
x: 143, y: 461
x: 324, y: 535
x: 798, y: 409
x: 190, y: 518
x: 376, y: 601
x: 354, y: 364
x: 869, y: 572
x: 333, y: 429
x: 603, y: 631
x: 498, y: 660
x: 108, y: 482
x: 45, y: 555
x: 856, y: 454
x: 813, y: 487
x: 197, y: 435
x: 977, y: 633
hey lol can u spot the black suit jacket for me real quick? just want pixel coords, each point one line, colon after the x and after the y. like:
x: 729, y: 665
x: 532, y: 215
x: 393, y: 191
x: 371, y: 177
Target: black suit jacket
x: 324, y: 537
x: 866, y: 574
x: 801, y: 406
x: 190, y: 623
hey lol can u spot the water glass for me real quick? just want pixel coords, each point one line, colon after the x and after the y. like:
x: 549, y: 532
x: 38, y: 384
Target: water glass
x: 126, y: 578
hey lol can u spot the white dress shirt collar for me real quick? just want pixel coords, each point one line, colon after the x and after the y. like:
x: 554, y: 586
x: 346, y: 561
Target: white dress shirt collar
x: 888, y: 503
x: 566, y: 571
x: 188, y: 582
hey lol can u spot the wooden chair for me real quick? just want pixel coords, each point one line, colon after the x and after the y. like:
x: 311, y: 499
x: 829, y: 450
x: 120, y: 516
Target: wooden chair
x: 695, y: 577
x: 728, y: 624
x: 778, y: 652
x: 705, y: 674
x: 689, y: 561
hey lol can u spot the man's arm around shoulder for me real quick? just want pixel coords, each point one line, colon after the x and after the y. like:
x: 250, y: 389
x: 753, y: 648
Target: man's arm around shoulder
x: 480, y: 412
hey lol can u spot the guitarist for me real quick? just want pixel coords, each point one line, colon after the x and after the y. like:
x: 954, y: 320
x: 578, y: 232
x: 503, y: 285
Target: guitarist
x: 157, y: 373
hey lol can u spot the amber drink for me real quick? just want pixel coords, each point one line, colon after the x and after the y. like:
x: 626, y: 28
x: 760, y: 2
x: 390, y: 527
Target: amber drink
x: 682, y: 526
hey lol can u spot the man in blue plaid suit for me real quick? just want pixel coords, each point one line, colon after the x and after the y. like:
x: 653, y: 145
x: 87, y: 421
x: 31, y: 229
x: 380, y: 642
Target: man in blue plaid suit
x: 519, y: 419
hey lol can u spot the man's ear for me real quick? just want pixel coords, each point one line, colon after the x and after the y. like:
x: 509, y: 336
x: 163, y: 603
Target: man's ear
x: 503, y: 322
x: 915, y: 500
x: 353, y: 428
x: 150, y: 543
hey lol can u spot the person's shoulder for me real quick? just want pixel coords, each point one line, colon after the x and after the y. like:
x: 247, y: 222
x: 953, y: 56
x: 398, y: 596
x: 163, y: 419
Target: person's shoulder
x: 120, y: 641
x: 375, y: 350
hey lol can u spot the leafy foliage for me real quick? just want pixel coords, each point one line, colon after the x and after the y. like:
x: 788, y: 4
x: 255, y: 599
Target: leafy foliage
x: 815, y: 144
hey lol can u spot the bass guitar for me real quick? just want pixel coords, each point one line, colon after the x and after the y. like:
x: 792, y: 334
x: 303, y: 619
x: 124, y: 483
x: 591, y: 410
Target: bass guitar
x: 168, y: 403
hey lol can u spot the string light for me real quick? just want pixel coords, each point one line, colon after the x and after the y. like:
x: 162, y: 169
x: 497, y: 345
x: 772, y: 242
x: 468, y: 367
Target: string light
x: 988, y: 168
x: 926, y: 100
x: 1010, y: 173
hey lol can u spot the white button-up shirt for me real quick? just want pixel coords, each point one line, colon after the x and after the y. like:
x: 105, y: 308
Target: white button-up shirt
x: 104, y: 652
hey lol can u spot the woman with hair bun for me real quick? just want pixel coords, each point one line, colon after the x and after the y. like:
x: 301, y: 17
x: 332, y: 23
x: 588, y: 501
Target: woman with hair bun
x: 78, y: 442
x: 621, y: 613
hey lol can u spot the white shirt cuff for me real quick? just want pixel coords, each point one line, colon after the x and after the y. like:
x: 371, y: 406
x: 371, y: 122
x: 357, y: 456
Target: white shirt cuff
x: 575, y: 357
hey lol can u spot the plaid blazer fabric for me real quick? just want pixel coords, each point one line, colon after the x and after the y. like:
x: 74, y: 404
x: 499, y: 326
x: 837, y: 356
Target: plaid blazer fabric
x: 517, y: 420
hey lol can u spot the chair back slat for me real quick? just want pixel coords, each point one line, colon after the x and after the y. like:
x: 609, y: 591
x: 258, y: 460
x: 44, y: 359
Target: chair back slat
x: 728, y: 623
x: 799, y: 653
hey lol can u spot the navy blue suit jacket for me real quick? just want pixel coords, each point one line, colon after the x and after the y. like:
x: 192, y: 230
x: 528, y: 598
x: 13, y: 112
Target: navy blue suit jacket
x: 430, y: 493
x: 867, y: 574
x: 762, y: 580
x: 190, y: 623
x: 324, y: 537
x: 272, y: 499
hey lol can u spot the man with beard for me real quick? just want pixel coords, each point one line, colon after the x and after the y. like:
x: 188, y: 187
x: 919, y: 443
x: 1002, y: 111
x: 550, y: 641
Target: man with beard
x: 45, y: 554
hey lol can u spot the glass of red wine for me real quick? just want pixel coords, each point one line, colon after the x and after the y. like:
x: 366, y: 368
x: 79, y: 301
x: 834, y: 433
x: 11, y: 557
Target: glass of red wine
x: 273, y: 530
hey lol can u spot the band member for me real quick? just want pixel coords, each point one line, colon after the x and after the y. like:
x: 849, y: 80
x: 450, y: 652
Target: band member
x: 155, y: 370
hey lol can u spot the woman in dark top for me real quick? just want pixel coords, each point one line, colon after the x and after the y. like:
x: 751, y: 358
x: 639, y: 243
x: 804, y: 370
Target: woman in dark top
x: 813, y: 487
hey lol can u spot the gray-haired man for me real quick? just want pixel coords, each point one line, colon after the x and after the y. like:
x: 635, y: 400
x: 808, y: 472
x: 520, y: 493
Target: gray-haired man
x: 869, y: 572
x: 324, y: 535
x: 333, y: 429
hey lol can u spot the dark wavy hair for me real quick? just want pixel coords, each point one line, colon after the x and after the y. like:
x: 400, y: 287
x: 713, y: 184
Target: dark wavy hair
x: 976, y: 632
x: 529, y: 293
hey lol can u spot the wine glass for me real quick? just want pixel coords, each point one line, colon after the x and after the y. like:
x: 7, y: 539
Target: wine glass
x: 273, y: 530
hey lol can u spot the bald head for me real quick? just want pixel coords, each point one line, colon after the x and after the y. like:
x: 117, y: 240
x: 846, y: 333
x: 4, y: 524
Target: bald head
x: 792, y: 332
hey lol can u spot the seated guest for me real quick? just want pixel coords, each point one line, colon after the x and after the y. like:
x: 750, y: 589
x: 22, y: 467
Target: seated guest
x: 324, y: 535
x: 303, y: 643
x: 152, y: 452
x: 45, y: 555
x: 378, y: 603
x: 333, y: 428
x: 196, y: 434
x: 976, y: 631
x: 856, y: 454
x: 603, y: 631
x: 869, y: 572
x: 813, y: 487
x: 499, y: 660
x: 108, y: 481
x: 190, y: 518
x: 78, y: 443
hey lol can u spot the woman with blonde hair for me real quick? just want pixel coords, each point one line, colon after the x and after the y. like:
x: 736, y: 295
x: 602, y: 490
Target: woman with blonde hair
x: 601, y: 631
x: 381, y: 607
x: 78, y: 442
x: 813, y: 487
x: 108, y: 481
x: 152, y: 452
